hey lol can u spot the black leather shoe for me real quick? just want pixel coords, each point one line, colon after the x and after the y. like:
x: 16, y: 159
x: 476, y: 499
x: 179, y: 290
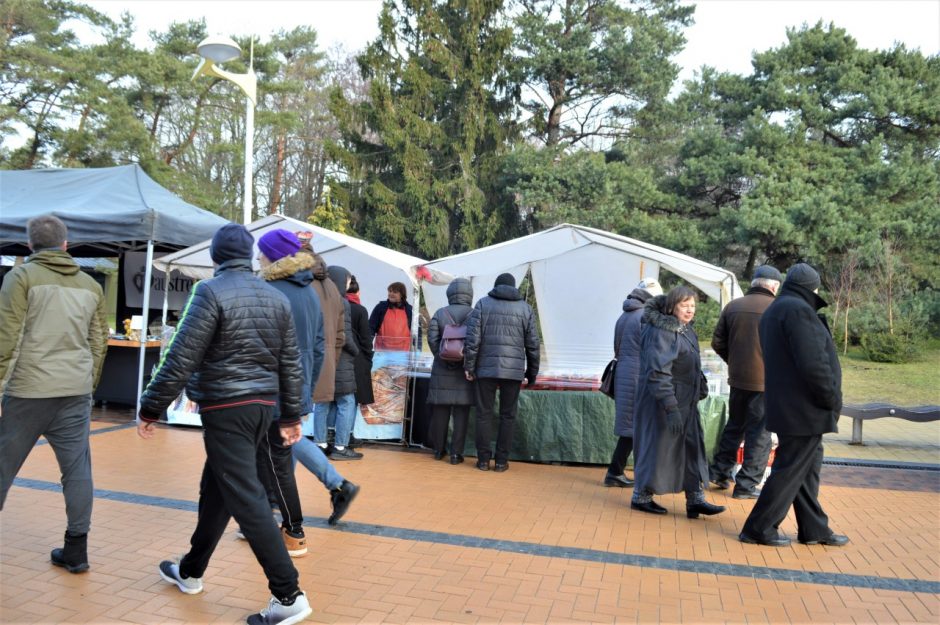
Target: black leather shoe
x: 745, y: 494
x: 834, y: 540
x: 708, y: 509
x: 779, y: 541
x: 438, y: 455
x: 499, y: 468
x: 650, y: 506
x: 483, y: 465
x: 456, y: 459
x: 721, y: 484
x: 620, y: 481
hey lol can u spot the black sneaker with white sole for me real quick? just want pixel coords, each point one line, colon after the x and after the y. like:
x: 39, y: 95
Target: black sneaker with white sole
x: 170, y: 572
x: 278, y: 613
x: 340, y: 500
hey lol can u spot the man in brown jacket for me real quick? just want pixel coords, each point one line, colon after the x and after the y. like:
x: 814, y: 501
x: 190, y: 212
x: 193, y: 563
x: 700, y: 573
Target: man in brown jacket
x: 334, y: 334
x: 736, y: 340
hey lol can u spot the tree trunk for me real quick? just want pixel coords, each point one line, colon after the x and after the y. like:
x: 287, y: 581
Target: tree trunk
x: 278, y: 175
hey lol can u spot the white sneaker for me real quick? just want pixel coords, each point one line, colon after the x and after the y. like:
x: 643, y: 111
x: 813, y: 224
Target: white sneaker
x: 279, y: 614
x: 170, y: 572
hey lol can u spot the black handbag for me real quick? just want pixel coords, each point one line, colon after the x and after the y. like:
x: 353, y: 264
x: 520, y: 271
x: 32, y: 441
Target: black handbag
x: 607, y: 378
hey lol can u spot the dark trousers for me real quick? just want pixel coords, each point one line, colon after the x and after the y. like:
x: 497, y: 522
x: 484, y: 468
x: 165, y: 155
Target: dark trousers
x: 230, y: 488
x: 794, y: 480
x: 508, y: 406
x: 618, y: 462
x: 746, y: 422
x: 276, y: 471
x: 65, y: 422
x: 440, y: 416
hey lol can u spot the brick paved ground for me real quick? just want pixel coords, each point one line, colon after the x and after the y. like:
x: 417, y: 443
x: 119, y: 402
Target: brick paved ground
x: 427, y: 542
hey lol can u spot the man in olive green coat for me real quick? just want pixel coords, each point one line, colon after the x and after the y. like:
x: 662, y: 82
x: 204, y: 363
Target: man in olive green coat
x: 53, y: 337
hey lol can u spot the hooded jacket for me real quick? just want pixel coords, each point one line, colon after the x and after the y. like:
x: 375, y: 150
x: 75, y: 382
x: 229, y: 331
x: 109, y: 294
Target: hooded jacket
x: 803, y: 385
x: 55, y: 316
x: 502, y: 339
x: 334, y: 324
x: 359, y: 320
x: 235, y: 341
x: 627, y: 352
x: 346, y: 364
x: 292, y: 275
x: 449, y: 385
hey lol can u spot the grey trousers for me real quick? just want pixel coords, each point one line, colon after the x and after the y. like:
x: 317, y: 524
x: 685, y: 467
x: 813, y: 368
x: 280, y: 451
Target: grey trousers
x: 65, y: 422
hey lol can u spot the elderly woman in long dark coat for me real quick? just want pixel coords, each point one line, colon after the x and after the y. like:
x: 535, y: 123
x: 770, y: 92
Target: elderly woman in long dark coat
x: 670, y: 443
x: 626, y: 378
x: 450, y: 393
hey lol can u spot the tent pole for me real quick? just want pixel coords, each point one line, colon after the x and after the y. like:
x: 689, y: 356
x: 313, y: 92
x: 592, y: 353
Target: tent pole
x: 148, y: 271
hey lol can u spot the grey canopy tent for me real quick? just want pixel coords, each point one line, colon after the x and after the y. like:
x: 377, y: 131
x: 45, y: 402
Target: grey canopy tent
x: 108, y: 211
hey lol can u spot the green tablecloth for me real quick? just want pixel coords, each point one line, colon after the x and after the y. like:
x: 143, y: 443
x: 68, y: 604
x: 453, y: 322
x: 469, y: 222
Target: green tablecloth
x: 578, y: 426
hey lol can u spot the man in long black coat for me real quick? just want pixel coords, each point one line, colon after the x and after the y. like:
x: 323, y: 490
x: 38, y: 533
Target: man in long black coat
x: 803, y: 395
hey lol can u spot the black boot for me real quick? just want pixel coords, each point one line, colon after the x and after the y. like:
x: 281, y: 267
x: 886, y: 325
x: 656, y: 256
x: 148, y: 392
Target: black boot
x: 692, y: 510
x: 74, y: 555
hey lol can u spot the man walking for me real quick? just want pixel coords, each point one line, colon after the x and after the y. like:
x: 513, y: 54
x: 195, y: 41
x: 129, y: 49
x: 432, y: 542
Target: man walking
x: 55, y: 316
x: 737, y: 341
x: 236, y: 352
x: 500, y: 350
x: 803, y: 397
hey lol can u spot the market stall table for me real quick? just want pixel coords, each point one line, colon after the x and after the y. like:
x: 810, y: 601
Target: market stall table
x: 118, y: 382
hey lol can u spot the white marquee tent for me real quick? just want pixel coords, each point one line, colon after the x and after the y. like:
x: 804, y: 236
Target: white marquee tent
x: 581, y: 277
x: 374, y: 266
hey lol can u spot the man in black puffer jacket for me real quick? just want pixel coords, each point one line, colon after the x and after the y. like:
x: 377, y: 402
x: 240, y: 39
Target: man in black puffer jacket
x: 501, y: 349
x: 236, y: 352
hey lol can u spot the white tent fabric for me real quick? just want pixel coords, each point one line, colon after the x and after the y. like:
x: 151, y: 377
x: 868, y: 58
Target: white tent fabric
x: 581, y: 277
x: 374, y: 266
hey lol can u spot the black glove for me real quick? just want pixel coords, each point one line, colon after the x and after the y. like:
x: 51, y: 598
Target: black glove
x: 674, y: 422
x: 530, y: 379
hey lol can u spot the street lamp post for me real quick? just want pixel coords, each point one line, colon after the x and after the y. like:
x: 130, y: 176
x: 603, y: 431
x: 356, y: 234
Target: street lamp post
x: 215, y: 50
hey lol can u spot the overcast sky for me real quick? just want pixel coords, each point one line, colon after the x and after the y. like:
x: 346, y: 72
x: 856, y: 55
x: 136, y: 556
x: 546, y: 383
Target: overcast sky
x: 725, y: 34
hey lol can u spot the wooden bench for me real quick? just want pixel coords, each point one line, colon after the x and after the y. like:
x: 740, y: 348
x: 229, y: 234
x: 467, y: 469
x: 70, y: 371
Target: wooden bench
x: 859, y: 413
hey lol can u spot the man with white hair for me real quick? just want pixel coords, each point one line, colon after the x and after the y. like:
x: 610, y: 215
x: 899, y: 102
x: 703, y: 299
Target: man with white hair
x: 736, y: 340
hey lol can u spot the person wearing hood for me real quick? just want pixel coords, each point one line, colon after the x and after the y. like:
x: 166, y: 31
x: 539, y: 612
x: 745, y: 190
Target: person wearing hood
x: 802, y: 401
x: 54, y: 315
x: 627, y: 352
x: 342, y: 412
x: 501, y: 349
x: 390, y: 320
x: 670, y: 445
x: 334, y: 334
x: 449, y: 392
x: 737, y: 342
x: 360, y: 326
x: 236, y: 353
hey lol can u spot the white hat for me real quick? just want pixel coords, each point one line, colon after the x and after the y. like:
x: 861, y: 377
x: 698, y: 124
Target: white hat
x: 651, y: 286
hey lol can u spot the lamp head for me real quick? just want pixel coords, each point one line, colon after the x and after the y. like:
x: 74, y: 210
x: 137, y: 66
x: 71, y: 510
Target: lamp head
x: 218, y: 49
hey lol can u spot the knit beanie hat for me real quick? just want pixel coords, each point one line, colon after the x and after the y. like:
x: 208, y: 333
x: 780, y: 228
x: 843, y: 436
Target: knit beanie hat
x: 768, y: 272
x: 276, y: 244
x: 803, y: 275
x: 505, y: 278
x: 651, y: 286
x: 231, y: 241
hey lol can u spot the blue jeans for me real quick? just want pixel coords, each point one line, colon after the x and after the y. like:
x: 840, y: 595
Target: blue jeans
x: 342, y: 410
x: 314, y: 460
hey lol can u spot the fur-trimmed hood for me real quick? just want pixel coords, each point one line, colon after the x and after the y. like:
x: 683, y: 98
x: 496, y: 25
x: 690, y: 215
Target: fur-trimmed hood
x: 654, y: 313
x: 289, y: 266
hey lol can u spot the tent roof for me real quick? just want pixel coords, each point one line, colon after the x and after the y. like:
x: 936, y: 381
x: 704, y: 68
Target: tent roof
x: 195, y: 262
x: 106, y: 210
x: 717, y: 283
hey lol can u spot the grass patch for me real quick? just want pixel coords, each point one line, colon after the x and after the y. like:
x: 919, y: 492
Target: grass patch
x: 905, y: 384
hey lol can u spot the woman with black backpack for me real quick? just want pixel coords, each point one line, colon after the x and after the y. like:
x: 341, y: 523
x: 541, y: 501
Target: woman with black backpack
x: 450, y: 393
